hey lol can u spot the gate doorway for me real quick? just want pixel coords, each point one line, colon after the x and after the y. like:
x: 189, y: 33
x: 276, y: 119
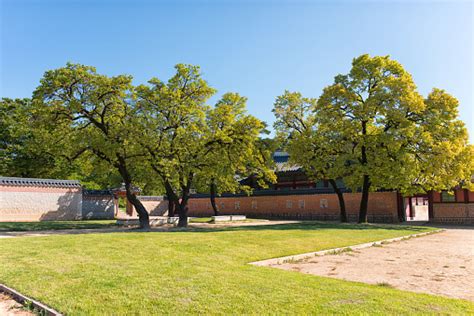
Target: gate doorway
x: 417, y: 208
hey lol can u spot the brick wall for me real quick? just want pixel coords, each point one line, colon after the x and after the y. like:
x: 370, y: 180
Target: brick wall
x: 453, y: 213
x: 39, y: 203
x: 382, y: 206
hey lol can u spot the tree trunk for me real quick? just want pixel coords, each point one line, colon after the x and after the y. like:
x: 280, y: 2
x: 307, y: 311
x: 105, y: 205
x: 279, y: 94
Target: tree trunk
x: 364, y: 202
x: 183, y: 206
x: 340, y: 197
x: 171, y: 205
x: 171, y: 201
x: 143, y: 216
x: 183, y: 214
x: 213, y: 190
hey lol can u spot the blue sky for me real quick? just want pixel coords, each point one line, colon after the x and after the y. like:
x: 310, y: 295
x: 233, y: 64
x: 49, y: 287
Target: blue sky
x: 256, y: 48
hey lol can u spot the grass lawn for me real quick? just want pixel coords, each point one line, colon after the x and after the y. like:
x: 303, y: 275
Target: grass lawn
x: 55, y: 225
x: 202, y: 271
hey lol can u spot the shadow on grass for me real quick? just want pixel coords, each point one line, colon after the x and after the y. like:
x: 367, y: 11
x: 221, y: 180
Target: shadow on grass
x: 309, y: 225
x: 53, y: 225
x: 89, y: 228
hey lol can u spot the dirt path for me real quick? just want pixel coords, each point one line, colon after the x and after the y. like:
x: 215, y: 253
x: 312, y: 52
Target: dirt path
x: 9, y: 307
x: 441, y: 264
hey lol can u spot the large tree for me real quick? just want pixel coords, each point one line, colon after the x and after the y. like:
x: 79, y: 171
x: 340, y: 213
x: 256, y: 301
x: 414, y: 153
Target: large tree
x: 190, y: 136
x: 389, y: 132
x: 238, y: 154
x: 82, y: 111
x: 314, y: 147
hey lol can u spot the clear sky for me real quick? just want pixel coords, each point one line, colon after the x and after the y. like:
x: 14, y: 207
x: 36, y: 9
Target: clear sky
x: 256, y: 48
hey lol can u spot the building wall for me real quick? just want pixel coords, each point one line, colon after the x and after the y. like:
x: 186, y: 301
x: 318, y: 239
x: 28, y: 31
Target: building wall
x: 382, y: 206
x: 39, y: 203
x: 98, y: 206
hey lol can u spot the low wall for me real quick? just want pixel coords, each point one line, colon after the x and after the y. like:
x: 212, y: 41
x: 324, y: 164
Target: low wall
x: 23, y: 200
x: 382, y: 206
x: 98, y: 205
x: 155, y: 205
x: 453, y: 213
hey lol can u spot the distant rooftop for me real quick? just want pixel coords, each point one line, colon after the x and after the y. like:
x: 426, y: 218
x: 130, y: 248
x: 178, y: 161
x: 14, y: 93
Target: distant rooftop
x: 281, y: 162
x: 13, y: 181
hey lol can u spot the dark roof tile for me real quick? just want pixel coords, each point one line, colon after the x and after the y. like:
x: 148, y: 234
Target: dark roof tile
x: 13, y: 181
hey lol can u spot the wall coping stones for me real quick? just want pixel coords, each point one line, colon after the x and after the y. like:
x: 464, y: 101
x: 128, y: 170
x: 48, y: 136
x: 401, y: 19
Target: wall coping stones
x: 14, y: 181
x: 150, y: 198
x: 96, y: 192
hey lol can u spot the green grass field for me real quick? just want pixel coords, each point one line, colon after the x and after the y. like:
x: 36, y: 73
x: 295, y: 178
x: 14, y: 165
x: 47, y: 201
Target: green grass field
x: 202, y: 271
x: 55, y: 225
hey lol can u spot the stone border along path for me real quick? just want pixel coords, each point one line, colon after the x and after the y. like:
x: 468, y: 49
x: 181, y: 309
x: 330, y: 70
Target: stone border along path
x: 25, y: 300
x: 309, y: 255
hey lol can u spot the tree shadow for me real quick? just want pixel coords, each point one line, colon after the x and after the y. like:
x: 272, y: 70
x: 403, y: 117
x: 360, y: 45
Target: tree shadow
x: 307, y: 226
x: 69, y: 208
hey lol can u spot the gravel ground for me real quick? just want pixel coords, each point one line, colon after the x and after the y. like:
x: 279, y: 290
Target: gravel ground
x: 440, y: 264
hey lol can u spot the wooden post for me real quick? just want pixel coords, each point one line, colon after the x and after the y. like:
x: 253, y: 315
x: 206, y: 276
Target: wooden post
x: 430, y: 205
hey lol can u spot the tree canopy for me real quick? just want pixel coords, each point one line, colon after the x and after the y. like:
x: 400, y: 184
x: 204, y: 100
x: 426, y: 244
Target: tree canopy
x: 375, y: 131
x: 370, y: 128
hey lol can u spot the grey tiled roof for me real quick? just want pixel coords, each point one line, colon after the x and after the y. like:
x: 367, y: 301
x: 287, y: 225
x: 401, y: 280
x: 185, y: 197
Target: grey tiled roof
x: 12, y: 181
x: 282, y: 164
x: 285, y: 167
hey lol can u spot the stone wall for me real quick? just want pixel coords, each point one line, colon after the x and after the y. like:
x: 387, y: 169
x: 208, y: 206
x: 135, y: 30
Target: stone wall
x: 453, y: 213
x: 39, y: 200
x: 382, y: 206
x: 98, y: 205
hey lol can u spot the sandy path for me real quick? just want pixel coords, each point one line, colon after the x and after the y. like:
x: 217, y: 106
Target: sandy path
x: 9, y: 307
x: 441, y: 264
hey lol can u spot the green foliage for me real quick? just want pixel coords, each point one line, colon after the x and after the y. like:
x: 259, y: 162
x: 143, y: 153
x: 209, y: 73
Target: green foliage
x: 374, y: 108
x: 87, y: 115
x: 19, y: 153
x: 236, y: 152
x: 372, y: 123
x: 315, y: 147
x: 190, y: 143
